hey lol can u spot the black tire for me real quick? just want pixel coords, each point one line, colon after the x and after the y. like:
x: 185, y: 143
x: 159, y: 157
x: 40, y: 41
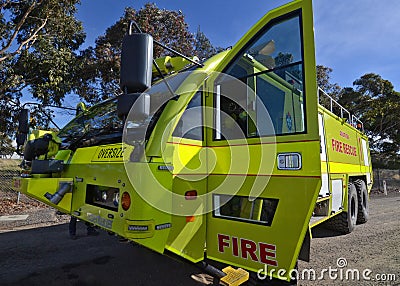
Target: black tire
x: 345, y: 222
x: 363, y: 201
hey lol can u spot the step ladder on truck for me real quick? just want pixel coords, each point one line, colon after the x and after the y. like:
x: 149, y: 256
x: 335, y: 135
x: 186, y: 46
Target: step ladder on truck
x: 229, y: 162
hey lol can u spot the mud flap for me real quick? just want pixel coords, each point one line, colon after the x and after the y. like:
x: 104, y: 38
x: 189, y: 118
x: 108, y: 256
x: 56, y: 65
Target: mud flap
x: 304, y: 254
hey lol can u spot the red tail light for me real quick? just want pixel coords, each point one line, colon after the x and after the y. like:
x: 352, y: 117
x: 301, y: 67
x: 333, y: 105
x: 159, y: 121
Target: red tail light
x: 125, y: 201
x: 191, y: 195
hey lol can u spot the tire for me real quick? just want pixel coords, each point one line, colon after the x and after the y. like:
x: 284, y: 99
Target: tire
x: 363, y: 201
x: 345, y: 222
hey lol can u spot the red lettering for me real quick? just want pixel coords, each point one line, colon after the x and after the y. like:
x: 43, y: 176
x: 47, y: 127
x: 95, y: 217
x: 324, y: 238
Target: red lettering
x: 267, y: 251
x: 222, y: 243
x: 344, y: 148
x: 259, y: 252
x: 248, y: 247
x: 235, y: 246
x: 344, y: 135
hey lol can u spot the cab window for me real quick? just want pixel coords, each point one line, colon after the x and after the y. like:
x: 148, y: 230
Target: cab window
x: 191, y: 122
x: 262, y: 91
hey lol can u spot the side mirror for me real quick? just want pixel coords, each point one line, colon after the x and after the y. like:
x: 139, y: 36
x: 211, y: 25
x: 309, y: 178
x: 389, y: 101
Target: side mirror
x: 21, y: 138
x: 136, y: 63
x: 142, y: 105
x: 23, y: 121
x: 23, y: 129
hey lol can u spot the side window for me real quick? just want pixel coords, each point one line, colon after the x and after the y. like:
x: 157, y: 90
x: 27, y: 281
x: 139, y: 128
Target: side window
x: 191, y: 122
x: 262, y: 91
x: 259, y: 211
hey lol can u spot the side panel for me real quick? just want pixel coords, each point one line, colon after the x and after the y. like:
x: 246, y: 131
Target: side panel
x: 337, y: 195
x: 324, y: 158
x: 366, y: 166
x: 342, y: 146
x: 189, y: 228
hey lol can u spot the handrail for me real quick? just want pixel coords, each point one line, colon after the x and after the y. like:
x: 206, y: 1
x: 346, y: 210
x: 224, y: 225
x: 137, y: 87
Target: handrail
x: 351, y: 119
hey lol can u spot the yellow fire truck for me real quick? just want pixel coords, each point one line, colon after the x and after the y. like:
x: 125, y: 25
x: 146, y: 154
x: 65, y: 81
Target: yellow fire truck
x: 229, y: 161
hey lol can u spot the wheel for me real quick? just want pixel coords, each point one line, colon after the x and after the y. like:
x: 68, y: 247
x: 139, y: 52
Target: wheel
x: 345, y: 222
x: 363, y: 201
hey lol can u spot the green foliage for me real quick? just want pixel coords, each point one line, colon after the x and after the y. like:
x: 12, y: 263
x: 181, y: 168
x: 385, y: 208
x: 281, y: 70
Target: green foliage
x: 101, y: 64
x: 203, y: 48
x: 333, y: 90
x: 283, y: 59
x: 324, y: 81
x: 39, y: 40
x: 6, y: 148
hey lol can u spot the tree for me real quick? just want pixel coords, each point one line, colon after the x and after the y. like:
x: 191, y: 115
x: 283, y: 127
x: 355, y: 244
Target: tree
x: 39, y: 40
x: 99, y: 78
x: 6, y: 148
x: 203, y: 48
x: 324, y: 82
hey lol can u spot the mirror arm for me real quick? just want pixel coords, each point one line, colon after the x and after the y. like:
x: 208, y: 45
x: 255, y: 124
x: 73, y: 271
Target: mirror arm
x: 133, y: 23
x: 47, y: 105
x: 178, y: 54
x: 166, y: 82
x: 51, y: 120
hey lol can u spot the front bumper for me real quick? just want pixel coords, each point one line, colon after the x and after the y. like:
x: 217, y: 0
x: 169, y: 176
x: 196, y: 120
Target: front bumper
x: 37, y: 188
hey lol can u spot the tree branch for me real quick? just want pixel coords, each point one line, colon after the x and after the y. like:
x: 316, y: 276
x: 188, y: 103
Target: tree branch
x: 18, y: 29
x: 4, y: 4
x: 27, y: 43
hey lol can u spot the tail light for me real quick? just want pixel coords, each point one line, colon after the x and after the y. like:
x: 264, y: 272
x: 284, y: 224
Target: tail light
x: 191, y: 195
x: 125, y: 201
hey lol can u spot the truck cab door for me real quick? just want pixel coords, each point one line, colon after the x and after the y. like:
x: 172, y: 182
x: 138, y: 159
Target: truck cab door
x: 263, y: 147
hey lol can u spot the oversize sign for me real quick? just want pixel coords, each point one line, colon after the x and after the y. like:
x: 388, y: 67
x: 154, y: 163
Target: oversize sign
x: 111, y: 153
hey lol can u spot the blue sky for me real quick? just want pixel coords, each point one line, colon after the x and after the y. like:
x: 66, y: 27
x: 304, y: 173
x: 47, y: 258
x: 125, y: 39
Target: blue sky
x: 352, y: 37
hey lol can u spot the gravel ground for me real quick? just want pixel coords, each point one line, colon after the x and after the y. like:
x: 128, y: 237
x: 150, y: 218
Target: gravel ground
x: 39, y: 214
x: 373, y: 247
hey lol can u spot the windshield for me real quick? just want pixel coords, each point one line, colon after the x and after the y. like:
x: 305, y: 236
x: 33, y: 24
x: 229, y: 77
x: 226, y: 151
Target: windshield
x: 100, y: 124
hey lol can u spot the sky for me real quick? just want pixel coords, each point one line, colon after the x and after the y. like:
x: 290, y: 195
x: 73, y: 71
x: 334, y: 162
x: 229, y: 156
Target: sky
x: 353, y: 37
